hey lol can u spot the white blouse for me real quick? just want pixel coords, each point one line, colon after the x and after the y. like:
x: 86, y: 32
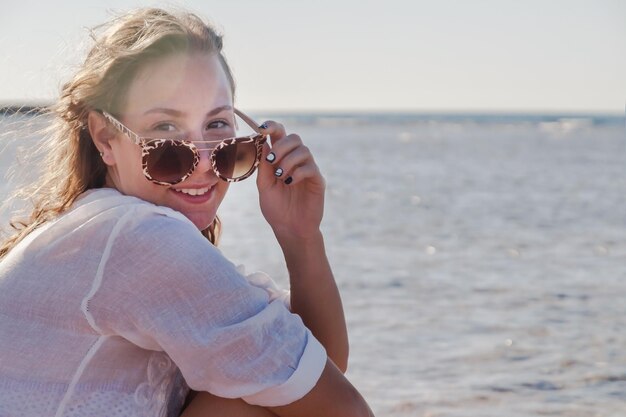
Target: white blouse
x: 118, y: 306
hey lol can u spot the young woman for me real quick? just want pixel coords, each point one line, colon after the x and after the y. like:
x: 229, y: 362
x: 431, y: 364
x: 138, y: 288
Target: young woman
x: 114, y: 300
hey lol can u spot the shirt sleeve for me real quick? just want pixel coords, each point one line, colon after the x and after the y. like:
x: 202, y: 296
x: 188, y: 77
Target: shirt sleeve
x: 262, y: 280
x: 165, y: 287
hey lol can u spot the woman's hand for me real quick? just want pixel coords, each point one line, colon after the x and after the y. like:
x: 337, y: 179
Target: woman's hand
x: 292, y: 202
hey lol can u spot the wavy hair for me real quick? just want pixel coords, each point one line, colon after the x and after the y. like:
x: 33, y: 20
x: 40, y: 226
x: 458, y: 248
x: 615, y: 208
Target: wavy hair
x: 121, y: 48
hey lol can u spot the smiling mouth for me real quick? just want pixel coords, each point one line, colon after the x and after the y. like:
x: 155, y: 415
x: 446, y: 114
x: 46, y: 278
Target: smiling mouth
x: 193, y: 191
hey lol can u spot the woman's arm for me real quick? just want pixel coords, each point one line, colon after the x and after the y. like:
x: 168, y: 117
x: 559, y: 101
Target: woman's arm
x: 291, y: 192
x: 332, y: 396
x: 204, y: 404
x: 314, y: 295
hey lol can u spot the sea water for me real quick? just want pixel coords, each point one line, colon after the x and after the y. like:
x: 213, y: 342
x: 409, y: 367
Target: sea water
x: 481, y: 258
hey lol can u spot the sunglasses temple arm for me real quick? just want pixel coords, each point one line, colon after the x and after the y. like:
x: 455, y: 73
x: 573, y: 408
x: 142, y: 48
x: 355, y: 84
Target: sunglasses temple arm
x: 120, y: 127
x: 249, y: 121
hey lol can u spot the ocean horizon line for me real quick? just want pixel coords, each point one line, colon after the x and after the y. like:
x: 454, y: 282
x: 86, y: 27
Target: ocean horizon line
x: 344, y: 117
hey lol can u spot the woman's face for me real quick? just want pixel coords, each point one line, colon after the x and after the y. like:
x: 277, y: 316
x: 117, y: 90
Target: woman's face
x: 178, y: 96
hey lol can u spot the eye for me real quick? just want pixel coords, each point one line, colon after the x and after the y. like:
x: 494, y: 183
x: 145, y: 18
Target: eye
x: 165, y: 127
x: 217, y: 124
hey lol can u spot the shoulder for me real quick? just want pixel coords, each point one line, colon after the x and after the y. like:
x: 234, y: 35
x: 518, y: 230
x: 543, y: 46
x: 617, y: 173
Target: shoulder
x: 153, y: 235
x: 141, y: 230
x: 161, y: 234
x: 112, y: 203
x: 131, y: 215
x: 158, y: 259
x: 106, y: 208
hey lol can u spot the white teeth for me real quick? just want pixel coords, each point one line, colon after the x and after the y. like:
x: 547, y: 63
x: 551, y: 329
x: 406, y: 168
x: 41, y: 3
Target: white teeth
x: 193, y: 191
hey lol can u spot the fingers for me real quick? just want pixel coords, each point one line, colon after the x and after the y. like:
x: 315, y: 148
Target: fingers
x: 294, y: 163
x: 288, y: 159
x: 291, y: 161
x: 281, y: 149
x: 305, y: 172
x: 275, y: 130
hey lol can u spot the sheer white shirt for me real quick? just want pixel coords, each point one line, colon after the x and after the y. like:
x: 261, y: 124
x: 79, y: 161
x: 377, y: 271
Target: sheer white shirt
x: 118, y: 306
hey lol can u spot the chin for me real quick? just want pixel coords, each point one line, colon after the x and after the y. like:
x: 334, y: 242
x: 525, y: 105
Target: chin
x: 201, y: 221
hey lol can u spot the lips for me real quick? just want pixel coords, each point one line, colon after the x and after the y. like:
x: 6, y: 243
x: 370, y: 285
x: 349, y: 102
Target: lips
x: 193, y: 191
x: 195, y: 195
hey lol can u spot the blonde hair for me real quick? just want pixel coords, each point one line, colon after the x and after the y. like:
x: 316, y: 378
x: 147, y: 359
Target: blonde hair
x: 125, y: 45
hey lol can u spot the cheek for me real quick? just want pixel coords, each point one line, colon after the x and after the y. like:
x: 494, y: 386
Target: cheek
x: 222, y: 187
x: 128, y: 159
x: 128, y: 170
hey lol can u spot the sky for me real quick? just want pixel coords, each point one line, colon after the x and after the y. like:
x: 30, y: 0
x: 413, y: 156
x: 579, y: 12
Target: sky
x: 361, y: 55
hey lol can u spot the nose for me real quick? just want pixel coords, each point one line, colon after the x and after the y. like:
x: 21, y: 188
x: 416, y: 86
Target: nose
x: 204, y: 164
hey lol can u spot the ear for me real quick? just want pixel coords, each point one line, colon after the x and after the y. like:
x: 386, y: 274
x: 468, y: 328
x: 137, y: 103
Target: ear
x: 101, y: 133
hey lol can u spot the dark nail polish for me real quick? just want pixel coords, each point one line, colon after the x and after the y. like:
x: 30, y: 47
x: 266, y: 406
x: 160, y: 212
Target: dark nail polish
x: 278, y: 172
x: 288, y: 180
x: 271, y: 157
x: 263, y: 126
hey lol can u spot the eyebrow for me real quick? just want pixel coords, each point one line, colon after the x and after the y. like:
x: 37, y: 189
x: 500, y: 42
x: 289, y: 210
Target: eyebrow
x: 178, y: 113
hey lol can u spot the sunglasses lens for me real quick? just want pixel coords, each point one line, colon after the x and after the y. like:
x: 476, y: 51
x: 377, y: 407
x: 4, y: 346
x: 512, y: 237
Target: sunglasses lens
x: 237, y: 159
x: 169, y: 161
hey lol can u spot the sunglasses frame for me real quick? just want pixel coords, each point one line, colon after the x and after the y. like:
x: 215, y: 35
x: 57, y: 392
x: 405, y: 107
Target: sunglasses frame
x: 148, y: 144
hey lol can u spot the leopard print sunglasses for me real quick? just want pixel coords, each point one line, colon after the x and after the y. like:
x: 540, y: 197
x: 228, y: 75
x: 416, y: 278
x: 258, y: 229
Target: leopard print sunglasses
x: 170, y: 161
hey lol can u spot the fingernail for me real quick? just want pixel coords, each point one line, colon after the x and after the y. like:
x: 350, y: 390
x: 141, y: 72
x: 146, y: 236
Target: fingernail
x: 278, y: 172
x: 288, y: 180
x: 271, y: 157
x: 263, y: 126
